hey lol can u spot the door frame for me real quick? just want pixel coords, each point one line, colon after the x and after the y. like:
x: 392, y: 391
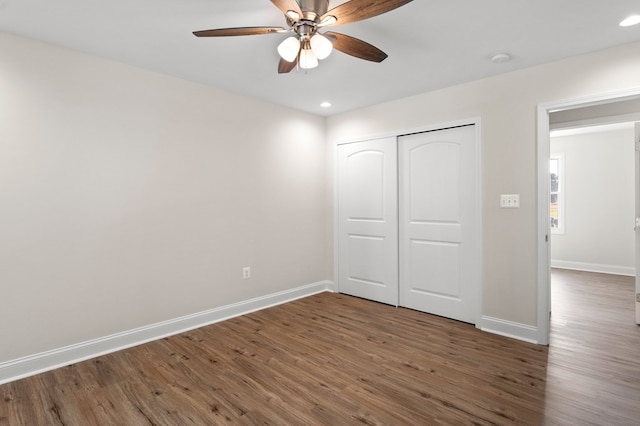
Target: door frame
x: 636, y: 135
x: 543, y: 234
x: 474, y: 121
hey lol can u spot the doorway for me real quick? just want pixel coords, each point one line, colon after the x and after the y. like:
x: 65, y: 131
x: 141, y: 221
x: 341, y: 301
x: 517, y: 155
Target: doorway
x: 605, y: 109
x: 592, y: 198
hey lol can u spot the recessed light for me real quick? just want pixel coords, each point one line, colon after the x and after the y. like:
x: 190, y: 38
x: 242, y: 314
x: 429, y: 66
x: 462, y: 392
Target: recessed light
x: 500, y: 58
x: 326, y: 105
x: 631, y: 20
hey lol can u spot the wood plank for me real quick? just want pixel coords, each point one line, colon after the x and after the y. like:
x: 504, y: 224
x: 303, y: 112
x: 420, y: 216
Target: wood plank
x: 335, y: 359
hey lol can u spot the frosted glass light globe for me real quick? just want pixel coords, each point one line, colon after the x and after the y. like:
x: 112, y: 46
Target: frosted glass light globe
x: 307, y: 59
x: 321, y: 46
x: 289, y: 49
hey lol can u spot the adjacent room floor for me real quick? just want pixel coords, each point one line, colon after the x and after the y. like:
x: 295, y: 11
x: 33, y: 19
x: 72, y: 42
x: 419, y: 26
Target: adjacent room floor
x: 593, y: 374
x: 334, y: 359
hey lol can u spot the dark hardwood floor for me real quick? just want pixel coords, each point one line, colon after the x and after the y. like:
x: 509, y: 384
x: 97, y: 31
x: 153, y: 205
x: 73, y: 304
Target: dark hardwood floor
x: 334, y: 359
x: 593, y: 374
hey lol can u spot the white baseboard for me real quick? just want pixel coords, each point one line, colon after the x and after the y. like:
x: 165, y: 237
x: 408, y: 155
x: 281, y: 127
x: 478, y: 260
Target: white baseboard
x: 594, y: 267
x: 46, y: 361
x: 510, y: 329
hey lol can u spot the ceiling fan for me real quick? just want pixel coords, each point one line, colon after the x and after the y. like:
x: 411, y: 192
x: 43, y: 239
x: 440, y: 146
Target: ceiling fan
x: 305, y: 18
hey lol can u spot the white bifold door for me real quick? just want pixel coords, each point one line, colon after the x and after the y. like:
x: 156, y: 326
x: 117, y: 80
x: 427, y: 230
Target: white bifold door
x: 408, y: 222
x: 368, y: 220
x: 439, y: 223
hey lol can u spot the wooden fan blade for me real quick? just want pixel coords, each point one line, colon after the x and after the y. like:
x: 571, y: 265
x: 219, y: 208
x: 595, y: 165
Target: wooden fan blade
x: 287, y: 5
x: 241, y: 31
x: 285, y: 67
x: 357, y: 10
x: 355, y: 47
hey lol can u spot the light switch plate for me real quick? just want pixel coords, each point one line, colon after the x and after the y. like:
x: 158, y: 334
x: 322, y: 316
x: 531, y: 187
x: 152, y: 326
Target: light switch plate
x: 509, y: 201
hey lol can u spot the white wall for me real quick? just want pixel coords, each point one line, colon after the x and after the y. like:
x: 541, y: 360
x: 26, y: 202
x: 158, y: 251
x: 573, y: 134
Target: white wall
x: 599, y: 174
x: 129, y: 197
x: 506, y: 105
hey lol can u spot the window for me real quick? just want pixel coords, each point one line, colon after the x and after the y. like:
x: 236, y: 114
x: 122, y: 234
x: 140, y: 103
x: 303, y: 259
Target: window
x: 556, y: 168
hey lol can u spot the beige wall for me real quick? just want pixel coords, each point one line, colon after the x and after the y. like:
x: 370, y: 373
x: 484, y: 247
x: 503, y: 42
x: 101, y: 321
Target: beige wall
x: 599, y: 201
x: 506, y: 105
x: 129, y: 197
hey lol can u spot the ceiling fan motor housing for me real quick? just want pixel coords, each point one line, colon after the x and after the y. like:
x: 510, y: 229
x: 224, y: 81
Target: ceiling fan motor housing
x: 312, y: 9
x: 304, y: 31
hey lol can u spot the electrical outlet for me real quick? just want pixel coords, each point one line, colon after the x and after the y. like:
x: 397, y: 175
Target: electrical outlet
x: 246, y: 272
x: 509, y: 201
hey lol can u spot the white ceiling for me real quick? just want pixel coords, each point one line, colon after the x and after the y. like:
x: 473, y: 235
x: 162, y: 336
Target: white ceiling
x: 431, y: 43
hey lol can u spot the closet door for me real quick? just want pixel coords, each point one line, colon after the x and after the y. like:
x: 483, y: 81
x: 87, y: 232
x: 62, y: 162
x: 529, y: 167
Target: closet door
x: 368, y: 220
x: 439, y: 223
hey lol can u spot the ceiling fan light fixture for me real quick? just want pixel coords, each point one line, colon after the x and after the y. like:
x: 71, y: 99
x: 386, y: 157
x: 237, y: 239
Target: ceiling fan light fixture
x: 308, y: 59
x: 289, y: 49
x: 321, y: 46
x: 304, y: 19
